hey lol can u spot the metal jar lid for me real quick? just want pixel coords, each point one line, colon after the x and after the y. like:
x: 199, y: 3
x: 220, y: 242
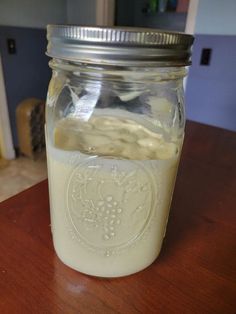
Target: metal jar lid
x: 123, y: 46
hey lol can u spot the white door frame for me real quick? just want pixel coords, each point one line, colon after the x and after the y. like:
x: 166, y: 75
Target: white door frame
x: 105, y: 12
x: 6, y: 145
x: 191, y: 16
x: 190, y: 25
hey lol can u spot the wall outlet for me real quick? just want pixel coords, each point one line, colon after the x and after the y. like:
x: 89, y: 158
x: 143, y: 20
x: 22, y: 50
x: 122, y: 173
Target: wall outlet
x: 11, y: 46
x: 206, y: 56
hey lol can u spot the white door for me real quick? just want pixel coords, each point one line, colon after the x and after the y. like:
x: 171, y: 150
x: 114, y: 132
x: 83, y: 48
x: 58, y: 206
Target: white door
x: 6, y: 146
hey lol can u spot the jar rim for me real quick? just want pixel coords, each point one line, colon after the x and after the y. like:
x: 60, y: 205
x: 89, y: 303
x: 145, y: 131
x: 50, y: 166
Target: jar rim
x: 119, y: 45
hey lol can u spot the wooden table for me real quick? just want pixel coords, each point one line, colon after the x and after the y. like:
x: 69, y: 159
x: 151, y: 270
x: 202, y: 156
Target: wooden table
x: 195, y: 273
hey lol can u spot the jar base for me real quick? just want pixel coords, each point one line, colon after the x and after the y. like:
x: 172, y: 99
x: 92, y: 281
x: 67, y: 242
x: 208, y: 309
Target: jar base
x: 113, y: 274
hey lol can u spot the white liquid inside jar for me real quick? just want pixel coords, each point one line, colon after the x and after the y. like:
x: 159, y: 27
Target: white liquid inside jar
x: 111, y: 181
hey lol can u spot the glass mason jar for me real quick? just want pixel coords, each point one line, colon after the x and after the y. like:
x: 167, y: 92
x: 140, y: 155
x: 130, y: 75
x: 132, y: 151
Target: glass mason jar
x: 114, y: 131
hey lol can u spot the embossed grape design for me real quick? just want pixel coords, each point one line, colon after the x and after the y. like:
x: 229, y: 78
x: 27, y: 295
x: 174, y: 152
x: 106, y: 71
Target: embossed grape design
x: 109, y: 212
x: 105, y: 213
x: 109, y: 206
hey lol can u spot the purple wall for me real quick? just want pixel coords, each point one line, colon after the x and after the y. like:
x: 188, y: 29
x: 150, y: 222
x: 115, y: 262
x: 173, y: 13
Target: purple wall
x: 26, y: 73
x: 211, y: 90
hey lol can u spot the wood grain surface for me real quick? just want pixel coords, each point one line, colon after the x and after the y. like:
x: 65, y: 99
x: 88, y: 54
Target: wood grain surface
x: 195, y: 273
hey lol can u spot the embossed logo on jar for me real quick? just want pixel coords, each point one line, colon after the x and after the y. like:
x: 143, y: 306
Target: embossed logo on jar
x: 110, y: 202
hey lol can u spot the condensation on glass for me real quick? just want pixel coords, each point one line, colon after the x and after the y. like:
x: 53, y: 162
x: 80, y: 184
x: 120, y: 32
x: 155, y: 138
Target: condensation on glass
x: 114, y: 131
